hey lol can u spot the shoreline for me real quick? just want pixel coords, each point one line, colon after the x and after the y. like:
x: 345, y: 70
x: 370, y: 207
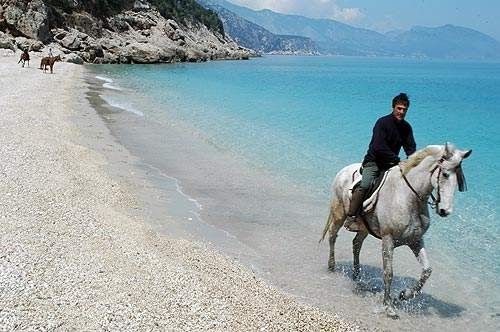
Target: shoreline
x: 76, y: 258
x: 159, y: 194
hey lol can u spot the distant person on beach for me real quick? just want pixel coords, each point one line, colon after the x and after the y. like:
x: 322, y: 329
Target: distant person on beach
x: 390, y: 133
x: 50, y: 52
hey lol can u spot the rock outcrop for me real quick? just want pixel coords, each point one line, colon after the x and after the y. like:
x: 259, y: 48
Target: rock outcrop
x: 138, y: 35
x: 26, y: 18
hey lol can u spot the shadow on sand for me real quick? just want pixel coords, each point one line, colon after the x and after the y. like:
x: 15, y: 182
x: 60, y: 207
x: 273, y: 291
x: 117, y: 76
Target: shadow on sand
x: 370, y: 282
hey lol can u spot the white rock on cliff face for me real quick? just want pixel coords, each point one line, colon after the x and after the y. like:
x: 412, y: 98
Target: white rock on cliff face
x: 7, y: 42
x: 30, y: 19
x: 74, y: 58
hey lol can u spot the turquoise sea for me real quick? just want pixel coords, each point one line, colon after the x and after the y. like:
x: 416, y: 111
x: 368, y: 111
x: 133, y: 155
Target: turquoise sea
x: 256, y: 144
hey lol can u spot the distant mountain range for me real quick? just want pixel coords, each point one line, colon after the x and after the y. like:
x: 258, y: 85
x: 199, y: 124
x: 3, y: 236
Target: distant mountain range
x: 255, y: 37
x: 270, y: 32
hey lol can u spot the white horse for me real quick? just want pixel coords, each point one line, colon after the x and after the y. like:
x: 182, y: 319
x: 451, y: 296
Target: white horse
x: 400, y: 216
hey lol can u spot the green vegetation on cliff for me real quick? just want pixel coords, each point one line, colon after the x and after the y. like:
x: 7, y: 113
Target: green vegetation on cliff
x: 189, y: 10
x: 178, y: 10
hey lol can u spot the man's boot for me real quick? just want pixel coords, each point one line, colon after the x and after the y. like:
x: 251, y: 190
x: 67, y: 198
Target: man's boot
x: 356, y: 201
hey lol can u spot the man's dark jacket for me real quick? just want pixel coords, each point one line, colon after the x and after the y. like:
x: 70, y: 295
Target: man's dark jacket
x: 389, y: 135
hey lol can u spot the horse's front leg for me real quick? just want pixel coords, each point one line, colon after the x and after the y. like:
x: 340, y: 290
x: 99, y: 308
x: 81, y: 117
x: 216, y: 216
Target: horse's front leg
x: 357, y: 243
x: 421, y: 254
x: 387, y: 254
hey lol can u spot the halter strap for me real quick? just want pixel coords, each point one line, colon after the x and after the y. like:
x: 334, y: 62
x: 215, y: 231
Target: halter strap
x: 435, y: 202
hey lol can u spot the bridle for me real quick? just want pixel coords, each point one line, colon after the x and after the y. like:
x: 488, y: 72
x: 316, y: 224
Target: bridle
x: 462, y: 185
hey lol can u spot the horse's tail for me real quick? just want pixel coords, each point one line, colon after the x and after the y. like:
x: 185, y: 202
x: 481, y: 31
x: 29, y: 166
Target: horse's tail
x: 328, y: 224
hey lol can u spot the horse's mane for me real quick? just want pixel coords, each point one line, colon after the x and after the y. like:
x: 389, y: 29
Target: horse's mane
x: 416, y: 158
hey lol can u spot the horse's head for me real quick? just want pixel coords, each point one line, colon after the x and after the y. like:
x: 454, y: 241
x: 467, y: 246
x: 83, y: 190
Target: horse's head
x: 446, y: 176
x: 57, y: 58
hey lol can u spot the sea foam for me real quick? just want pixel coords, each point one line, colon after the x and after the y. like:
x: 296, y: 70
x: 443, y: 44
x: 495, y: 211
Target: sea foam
x: 108, y: 84
x: 121, y: 105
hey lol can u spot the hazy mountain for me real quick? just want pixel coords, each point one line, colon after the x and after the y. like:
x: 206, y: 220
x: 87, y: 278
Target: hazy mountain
x: 447, y: 41
x: 334, y: 37
x: 255, y: 37
x: 331, y: 36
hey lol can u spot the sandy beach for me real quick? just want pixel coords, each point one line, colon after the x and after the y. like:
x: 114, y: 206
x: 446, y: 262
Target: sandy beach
x: 73, y: 256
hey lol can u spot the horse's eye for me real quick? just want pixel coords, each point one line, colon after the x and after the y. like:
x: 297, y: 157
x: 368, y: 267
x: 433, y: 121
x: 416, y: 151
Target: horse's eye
x: 446, y: 175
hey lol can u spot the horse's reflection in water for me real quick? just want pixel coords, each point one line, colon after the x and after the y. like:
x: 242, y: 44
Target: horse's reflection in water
x: 401, y: 215
x: 370, y: 283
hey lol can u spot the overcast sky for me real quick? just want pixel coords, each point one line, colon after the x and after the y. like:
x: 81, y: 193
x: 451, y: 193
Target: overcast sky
x: 384, y: 15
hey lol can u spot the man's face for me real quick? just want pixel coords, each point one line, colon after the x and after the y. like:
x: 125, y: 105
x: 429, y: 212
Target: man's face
x: 399, y: 111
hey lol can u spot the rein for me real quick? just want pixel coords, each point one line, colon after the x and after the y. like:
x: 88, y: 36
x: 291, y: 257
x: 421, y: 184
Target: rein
x: 435, y: 201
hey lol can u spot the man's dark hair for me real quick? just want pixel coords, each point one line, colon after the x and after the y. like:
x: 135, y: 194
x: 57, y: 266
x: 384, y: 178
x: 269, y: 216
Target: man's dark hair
x: 402, y: 98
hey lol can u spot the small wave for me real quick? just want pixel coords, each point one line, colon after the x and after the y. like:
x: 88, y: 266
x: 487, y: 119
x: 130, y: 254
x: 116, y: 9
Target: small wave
x: 112, y: 87
x: 178, y: 188
x: 105, y: 79
x: 122, y: 105
x: 199, y: 207
x: 108, y: 84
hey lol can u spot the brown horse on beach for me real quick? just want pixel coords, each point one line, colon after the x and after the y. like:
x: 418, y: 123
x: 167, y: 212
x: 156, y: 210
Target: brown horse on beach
x: 49, y: 61
x: 25, y: 57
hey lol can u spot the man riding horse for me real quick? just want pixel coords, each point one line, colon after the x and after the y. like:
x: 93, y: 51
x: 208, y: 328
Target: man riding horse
x: 399, y: 213
x: 390, y: 133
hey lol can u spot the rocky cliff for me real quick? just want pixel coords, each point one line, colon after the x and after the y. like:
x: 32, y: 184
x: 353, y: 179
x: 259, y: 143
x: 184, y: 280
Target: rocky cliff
x: 130, y: 32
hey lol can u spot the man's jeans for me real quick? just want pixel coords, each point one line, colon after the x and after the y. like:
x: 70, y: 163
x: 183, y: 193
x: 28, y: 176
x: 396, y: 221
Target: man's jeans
x: 370, y: 172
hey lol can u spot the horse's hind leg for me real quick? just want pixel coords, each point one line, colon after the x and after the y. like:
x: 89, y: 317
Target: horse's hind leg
x: 357, y: 243
x: 419, y: 252
x: 335, y: 221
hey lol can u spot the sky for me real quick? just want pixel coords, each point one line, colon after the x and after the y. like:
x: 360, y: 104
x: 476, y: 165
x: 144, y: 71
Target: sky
x: 386, y: 15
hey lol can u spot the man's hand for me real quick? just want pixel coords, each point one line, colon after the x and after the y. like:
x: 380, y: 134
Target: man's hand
x: 394, y: 162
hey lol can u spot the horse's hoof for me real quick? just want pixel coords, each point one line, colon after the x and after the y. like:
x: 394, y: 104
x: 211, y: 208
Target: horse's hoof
x: 405, y: 294
x: 391, y: 313
x: 331, y: 266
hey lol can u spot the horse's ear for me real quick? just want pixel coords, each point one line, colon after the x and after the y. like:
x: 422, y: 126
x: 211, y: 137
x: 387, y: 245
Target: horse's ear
x: 447, y: 151
x: 466, y: 154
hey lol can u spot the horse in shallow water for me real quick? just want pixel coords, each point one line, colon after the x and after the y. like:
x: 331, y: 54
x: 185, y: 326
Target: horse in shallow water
x: 25, y: 57
x: 401, y: 215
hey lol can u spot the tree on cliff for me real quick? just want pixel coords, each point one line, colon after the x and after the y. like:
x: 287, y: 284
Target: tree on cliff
x: 178, y: 10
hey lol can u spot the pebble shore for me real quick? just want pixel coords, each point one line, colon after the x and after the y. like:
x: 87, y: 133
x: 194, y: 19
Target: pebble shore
x: 72, y: 258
